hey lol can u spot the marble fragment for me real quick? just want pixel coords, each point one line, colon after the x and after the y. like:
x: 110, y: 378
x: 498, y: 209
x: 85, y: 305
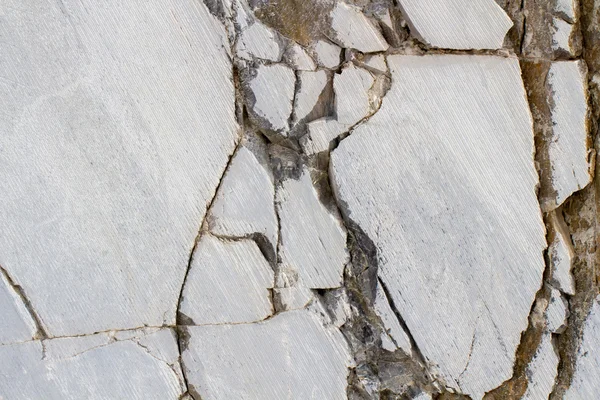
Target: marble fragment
x: 376, y: 62
x: 313, y: 240
x: 447, y: 193
x: 353, y: 30
x: 297, y: 58
x: 271, y: 95
x: 311, y: 85
x: 457, y: 24
x: 292, y: 298
x: 320, y: 133
x: 327, y: 54
x: 17, y: 324
x: 566, y: 7
x: 568, y: 149
x: 117, y: 125
x: 393, y: 329
x: 351, y: 89
x: 585, y: 383
x: 93, y: 367
x: 542, y: 370
x: 228, y: 282
x: 561, y: 254
x: 258, y: 41
x: 244, y: 204
x: 556, y: 312
x: 290, y: 356
x: 562, y: 38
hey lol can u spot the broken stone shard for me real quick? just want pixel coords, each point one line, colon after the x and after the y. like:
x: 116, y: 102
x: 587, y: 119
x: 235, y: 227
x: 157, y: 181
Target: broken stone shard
x: 327, y: 54
x: 398, y: 339
x: 352, y: 29
x: 568, y: 149
x: 542, y: 370
x: 561, y: 253
x: 228, y: 282
x: 259, y: 41
x: 457, y: 24
x: 244, y: 204
x: 562, y: 38
x: 93, y: 367
x: 17, y: 324
x: 269, y: 96
x: 320, y: 133
x: 290, y: 356
x: 115, y: 134
x: 430, y: 179
x: 585, y: 383
x: 557, y: 312
x: 351, y: 89
x: 311, y: 85
x: 298, y: 58
x: 313, y: 241
x: 292, y: 298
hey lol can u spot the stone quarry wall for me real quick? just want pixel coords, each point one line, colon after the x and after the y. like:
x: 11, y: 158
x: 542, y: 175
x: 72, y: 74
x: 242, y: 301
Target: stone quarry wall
x: 299, y: 199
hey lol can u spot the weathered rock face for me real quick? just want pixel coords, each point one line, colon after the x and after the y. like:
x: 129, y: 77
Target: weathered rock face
x: 427, y: 179
x: 299, y: 199
x: 115, y: 135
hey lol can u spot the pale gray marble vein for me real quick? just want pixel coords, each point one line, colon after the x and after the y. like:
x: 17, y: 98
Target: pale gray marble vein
x: 115, y: 132
x: 445, y: 186
x: 290, y: 356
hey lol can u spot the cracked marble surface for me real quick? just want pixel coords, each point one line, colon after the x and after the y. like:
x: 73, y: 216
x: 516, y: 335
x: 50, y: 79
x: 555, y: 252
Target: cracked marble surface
x: 299, y: 199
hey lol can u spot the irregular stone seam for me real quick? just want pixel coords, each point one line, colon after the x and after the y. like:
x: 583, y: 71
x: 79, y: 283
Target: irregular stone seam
x: 337, y: 140
x: 40, y: 333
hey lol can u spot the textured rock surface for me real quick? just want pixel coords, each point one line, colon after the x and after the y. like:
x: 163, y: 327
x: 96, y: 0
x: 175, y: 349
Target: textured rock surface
x: 291, y: 356
x: 228, y: 282
x: 102, y: 366
x: 106, y: 117
x: 299, y: 199
x: 313, y: 241
x: 456, y: 24
x: 442, y: 248
x: 585, y: 384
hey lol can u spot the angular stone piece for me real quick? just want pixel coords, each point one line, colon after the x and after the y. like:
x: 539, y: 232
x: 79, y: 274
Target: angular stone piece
x: 327, y: 54
x: 296, y: 57
x: 568, y: 149
x: 566, y: 7
x: 351, y: 89
x: 259, y: 41
x: 557, y: 312
x: 291, y: 356
x: 399, y: 338
x: 585, y: 383
x: 377, y: 62
x: 228, y: 282
x: 115, y: 131
x: 271, y: 95
x: 311, y: 86
x: 447, y: 193
x: 17, y: 324
x: 457, y: 24
x: 320, y: 133
x: 244, y: 204
x: 542, y: 370
x: 143, y: 367
x: 353, y: 30
x: 292, y: 298
x: 313, y: 241
x: 561, y: 255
